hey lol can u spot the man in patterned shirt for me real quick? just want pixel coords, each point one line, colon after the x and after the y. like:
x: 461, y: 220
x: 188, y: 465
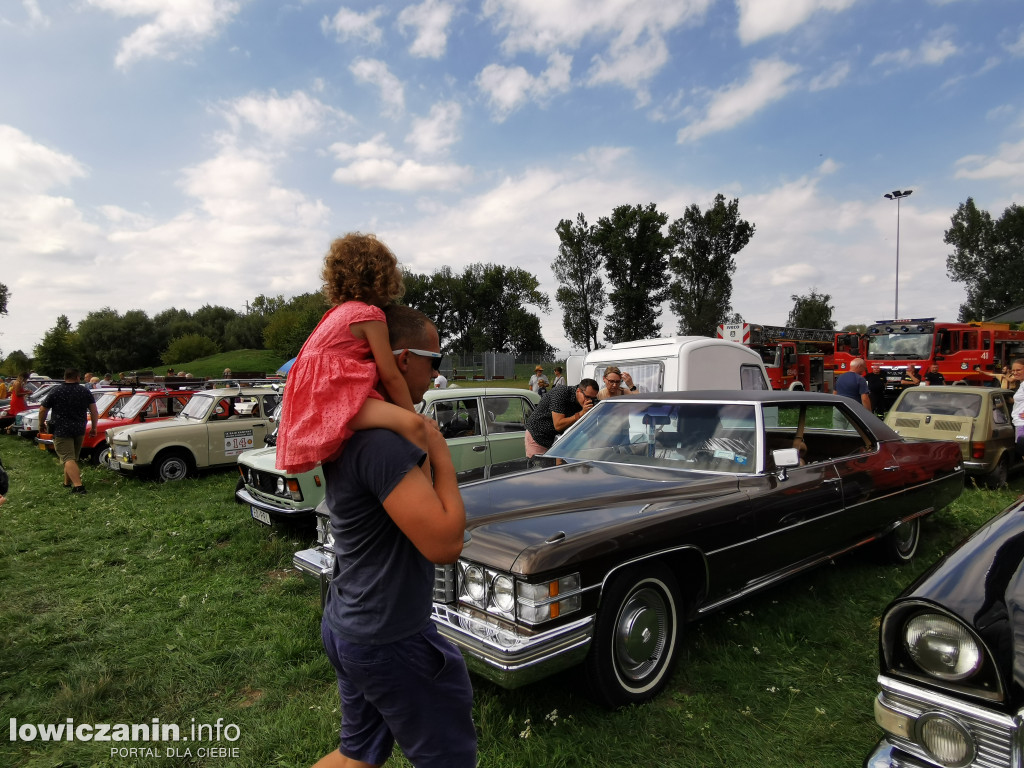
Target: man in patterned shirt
x: 557, y: 411
x: 70, y: 402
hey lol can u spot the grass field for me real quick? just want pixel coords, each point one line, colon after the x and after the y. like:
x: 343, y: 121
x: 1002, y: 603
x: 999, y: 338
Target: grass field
x: 140, y: 601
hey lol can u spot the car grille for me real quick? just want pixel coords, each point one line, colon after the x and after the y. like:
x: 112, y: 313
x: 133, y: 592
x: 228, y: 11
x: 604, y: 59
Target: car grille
x: 444, y: 584
x: 262, y: 481
x: 996, y: 741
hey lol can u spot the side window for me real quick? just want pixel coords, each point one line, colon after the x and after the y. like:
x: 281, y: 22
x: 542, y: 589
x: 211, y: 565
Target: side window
x: 177, y: 405
x: 506, y: 414
x: 752, y: 378
x: 463, y: 419
x: 820, y: 432
x: 1000, y: 413
x: 157, y: 406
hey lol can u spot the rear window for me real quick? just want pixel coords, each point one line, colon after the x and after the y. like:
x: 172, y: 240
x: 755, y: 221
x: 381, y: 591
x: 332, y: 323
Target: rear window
x: 925, y: 400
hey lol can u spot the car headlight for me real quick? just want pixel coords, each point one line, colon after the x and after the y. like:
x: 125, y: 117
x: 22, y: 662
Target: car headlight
x: 474, y: 584
x: 942, y: 646
x: 280, y: 488
x: 503, y: 593
x: 946, y: 740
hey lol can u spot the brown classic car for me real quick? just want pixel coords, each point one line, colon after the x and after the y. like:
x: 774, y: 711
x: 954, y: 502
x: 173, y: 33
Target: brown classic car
x: 656, y: 509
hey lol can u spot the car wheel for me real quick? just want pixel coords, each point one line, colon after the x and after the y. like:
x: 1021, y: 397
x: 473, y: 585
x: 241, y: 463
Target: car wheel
x: 900, y: 544
x: 636, y: 638
x: 997, y: 477
x: 172, y: 466
x: 98, y: 455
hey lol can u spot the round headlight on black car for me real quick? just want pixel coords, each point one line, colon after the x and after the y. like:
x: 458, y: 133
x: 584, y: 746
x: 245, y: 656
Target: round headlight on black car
x: 942, y: 646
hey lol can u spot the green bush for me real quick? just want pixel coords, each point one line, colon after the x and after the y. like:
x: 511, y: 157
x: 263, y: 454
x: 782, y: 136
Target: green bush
x: 189, y: 347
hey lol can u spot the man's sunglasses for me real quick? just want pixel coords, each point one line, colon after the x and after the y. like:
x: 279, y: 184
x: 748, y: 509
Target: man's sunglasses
x: 422, y: 353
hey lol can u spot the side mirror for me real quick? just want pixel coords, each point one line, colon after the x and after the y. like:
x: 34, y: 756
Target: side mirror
x: 785, y: 458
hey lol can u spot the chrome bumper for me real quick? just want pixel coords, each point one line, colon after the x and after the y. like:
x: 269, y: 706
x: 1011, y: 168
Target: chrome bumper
x: 996, y: 737
x: 316, y: 565
x: 245, y: 497
x: 510, y: 659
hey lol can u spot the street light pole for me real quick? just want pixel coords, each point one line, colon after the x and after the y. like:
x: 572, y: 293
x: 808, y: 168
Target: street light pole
x: 897, y: 196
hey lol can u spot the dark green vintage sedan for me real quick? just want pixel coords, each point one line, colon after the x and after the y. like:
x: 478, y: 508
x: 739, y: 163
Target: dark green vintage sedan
x: 653, y: 510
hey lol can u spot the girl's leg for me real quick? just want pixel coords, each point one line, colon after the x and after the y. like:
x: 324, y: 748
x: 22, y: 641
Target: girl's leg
x: 377, y: 414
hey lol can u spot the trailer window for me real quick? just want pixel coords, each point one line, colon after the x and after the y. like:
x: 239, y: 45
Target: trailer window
x: 648, y: 377
x: 752, y: 378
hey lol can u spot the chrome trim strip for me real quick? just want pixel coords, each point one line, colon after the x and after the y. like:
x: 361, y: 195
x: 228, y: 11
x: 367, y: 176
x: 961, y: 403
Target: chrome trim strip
x: 245, y: 497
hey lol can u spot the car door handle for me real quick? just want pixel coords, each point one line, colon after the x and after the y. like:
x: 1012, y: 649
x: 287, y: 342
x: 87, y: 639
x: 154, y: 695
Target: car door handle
x: 895, y: 468
x: 479, y: 448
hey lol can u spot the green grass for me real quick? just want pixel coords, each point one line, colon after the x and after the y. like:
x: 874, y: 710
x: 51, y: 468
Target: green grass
x: 141, y: 600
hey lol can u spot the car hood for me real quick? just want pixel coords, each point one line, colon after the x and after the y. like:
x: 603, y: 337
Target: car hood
x: 982, y: 582
x: 539, y: 520
x: 262, y: 459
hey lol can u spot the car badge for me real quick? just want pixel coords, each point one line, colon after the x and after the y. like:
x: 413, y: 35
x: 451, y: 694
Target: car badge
x: 928, y: 419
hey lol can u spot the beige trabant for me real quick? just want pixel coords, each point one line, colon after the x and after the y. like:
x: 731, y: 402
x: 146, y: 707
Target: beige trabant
x: 211, y: 431
x: 978, y: 418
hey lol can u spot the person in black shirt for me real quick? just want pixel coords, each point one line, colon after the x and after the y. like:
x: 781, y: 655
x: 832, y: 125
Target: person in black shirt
x: 70, y: 402
x: 557, y: 411
x: 933, y: 377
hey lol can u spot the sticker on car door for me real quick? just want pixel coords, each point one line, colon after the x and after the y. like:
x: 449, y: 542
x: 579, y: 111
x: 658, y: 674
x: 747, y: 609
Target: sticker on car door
x: 237, y: 440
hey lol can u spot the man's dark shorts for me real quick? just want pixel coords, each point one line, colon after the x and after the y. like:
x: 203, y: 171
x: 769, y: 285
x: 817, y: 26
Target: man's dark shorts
x: 415, y: 691
x: 68, y: 448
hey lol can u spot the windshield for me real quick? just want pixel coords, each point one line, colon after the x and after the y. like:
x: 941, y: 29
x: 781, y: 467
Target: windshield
x: 900, y: 346
x: 129, y: 409
x: 197, y: 407
x: 719, y: 437
x: 104, y: 400
x: 922, y: 400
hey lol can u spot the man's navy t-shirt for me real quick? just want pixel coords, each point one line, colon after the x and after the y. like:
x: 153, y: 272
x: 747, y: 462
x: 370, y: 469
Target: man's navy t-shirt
x: 382, y: 587
x: 852, y: 385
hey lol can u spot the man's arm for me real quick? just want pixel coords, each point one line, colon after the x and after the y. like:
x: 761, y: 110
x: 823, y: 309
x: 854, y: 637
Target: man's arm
x: 95, y: 416
x: 865, y: 400
x: 432, y: 517
x: 43, y: 412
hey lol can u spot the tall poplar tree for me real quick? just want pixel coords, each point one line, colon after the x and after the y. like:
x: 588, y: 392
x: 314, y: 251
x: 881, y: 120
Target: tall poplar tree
x: 703, y: 261
x: 580, y: 287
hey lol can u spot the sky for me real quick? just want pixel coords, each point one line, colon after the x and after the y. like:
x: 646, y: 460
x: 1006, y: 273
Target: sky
x: 176, y: 153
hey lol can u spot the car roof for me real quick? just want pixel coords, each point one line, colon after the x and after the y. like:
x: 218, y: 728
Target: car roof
x: 738, y: 395
x: 460, y: 393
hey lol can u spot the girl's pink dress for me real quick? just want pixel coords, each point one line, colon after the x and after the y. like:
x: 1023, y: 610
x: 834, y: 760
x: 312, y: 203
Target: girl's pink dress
x: 327, y: 385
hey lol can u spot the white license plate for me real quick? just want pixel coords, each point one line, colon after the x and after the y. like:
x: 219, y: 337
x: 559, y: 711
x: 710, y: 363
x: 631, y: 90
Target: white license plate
x: 260, y: 515
x: 114, y: 464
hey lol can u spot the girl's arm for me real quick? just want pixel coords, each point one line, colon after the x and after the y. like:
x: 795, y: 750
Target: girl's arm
x: 376, y: 335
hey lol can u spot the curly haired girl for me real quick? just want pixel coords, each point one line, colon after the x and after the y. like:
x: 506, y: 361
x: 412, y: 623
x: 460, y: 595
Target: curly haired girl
x: 332, y: 385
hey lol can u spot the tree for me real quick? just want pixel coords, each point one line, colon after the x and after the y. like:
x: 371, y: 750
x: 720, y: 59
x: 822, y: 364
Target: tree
x: 854, y: 328
x: 5, y: 294
x: 58, y: 350
x: 15, y: 363
x: 480, y: 309
x: 110, y: 342
x: 812, y: 311
x: 634, y: 252
x: 213, y: 320
x: 988, y: 257
x: 703, y: 261
x: 288, y: 329
x: 580, y: 287
x: 186, y: 349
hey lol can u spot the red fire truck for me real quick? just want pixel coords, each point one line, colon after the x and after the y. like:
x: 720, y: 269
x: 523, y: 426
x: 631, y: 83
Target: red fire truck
x: 789, y: 368
x: 963, y: 351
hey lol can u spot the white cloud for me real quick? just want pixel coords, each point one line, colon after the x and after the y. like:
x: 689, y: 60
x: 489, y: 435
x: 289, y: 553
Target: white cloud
x: 763, y: 18
x: 281, y: 119
x: 175, y: 25
x: 1016, y: 48
x: 438, y: 131
x: 376, y: 72
x: 27, y: 166
x: 769, y: 81
x: 832, y: 78
x: 509, y: 88
x: 934, y: 50
x: 35, y: 18
x: 375, y: 164
x: 1007, y: 163
x: 348, y: 25
x: 430, y: 19
x: 631, y: 32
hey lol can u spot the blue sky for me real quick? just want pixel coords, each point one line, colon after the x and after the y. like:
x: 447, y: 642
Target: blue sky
x: 158, y: 153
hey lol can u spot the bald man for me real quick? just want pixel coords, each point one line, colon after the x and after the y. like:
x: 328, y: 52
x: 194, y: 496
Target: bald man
x: 853, y: 385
